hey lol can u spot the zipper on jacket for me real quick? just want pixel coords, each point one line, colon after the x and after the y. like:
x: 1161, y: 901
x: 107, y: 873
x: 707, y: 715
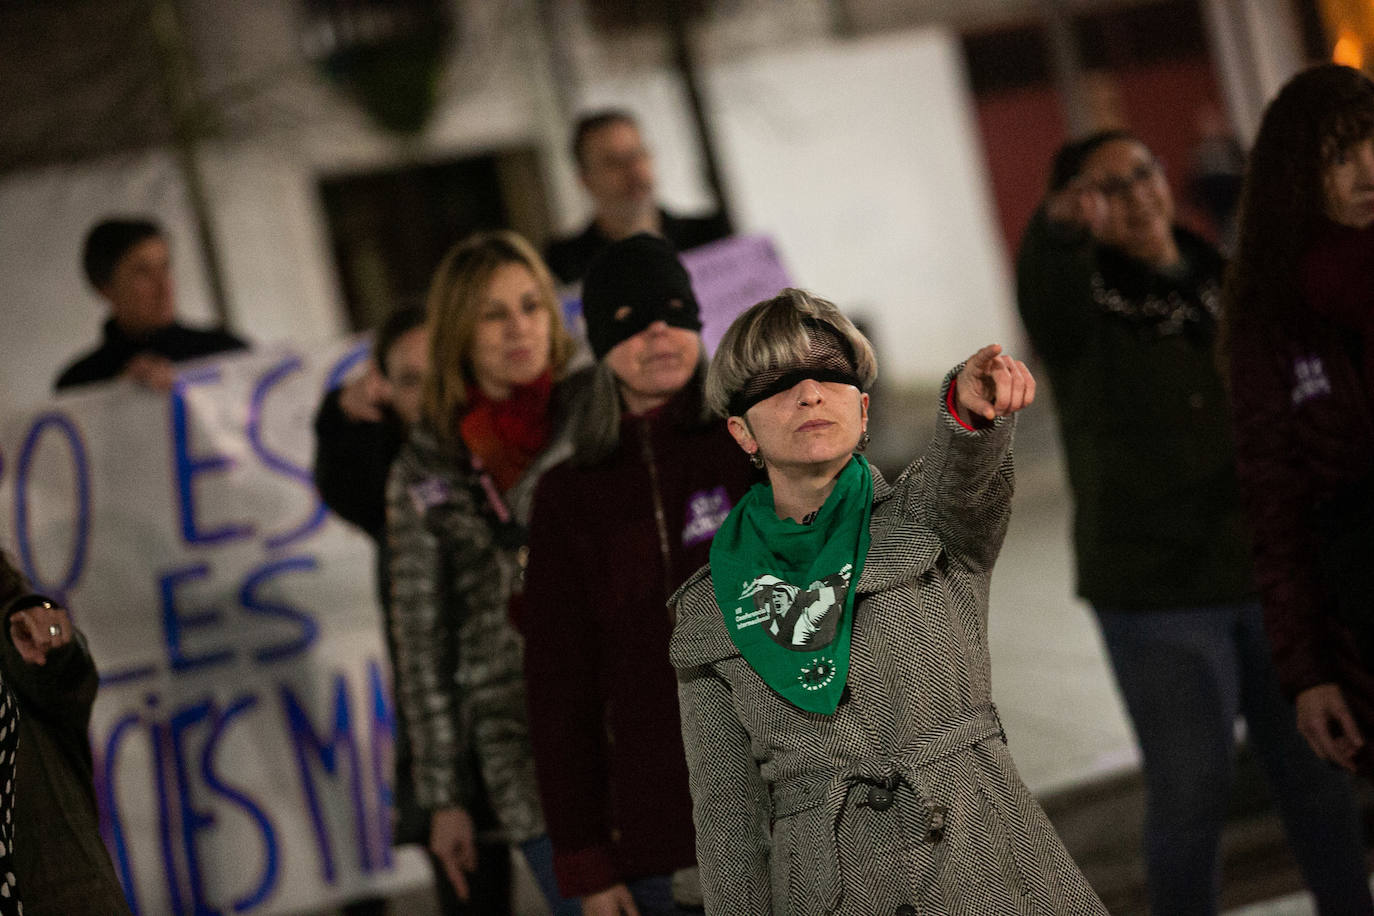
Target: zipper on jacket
x: 660, y: 519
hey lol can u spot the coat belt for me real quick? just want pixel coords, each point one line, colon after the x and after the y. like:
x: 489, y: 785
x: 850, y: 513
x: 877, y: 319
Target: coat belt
x: 830, y: 788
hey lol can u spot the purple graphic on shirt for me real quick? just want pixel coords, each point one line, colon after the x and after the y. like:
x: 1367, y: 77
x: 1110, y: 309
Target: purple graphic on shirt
x: 428, y: 493
x: 706, y: 512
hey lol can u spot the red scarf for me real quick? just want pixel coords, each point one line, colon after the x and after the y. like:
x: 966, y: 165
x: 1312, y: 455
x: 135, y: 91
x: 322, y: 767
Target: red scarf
x: 507, y: 435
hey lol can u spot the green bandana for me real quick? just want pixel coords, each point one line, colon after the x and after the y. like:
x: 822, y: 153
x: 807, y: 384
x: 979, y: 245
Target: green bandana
x: 786, y: 589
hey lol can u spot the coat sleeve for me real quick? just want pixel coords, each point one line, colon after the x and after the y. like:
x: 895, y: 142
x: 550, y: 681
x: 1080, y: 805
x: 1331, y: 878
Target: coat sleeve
x: 1277, y: 497
x: 567, y: 710
x: 352, y: 460
x: 62, y: 689
x: 730, y: 801
x: 962, y: 486
x: 426, y: 647
x: 490, y: 678
x: 1054, y: 270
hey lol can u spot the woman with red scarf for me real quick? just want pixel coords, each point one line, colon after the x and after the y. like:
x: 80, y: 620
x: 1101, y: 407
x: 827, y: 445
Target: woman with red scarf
x: 1300, y: 324
x: 457, y: 498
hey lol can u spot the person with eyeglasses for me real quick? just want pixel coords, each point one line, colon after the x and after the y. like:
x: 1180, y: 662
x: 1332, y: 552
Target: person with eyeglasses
x: 1121, y: 305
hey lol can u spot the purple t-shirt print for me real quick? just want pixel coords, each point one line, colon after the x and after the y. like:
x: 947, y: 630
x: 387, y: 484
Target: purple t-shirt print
x: 706, y: 512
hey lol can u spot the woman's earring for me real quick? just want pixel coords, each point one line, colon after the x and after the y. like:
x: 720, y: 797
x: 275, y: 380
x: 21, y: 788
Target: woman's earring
x: 756, y: 459
x: 863, y: 442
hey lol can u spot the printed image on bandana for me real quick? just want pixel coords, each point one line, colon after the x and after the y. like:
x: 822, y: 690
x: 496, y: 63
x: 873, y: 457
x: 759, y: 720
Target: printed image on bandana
x: 793, y: 618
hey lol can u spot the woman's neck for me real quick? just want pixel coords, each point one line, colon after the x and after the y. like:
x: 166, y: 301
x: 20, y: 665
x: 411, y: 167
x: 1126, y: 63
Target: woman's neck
x: 493, y: 391
x: 618, y: 224
x: 800, y: 492
x: 637, y: 404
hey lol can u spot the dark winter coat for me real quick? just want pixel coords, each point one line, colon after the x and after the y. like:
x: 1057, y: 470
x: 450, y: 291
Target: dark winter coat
x: 58, y: 856
x: 609, y: 543
x: 176, y: 342
x: 1304, y: 426
x: 1144, y: 418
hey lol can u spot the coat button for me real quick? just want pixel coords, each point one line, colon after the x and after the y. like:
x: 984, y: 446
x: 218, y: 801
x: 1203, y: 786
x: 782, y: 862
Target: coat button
x: 936, y: 833
x: 905, y: 909
x: 879, y: 798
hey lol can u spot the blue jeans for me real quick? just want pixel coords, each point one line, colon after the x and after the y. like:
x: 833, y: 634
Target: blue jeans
x: 539, y: 853
x: 1185, y: 675
x: 654, y: 897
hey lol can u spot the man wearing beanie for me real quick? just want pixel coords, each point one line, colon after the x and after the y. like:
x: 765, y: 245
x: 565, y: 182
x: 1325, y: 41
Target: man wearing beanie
x: 615, y: 530
x: 128, y: 263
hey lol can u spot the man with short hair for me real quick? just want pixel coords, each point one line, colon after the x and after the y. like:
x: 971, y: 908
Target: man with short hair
x: 617, y: 170
x: 128, y: 263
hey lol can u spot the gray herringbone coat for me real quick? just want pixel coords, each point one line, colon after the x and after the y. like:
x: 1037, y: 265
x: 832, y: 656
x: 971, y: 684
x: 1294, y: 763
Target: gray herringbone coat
x: 789, y: 805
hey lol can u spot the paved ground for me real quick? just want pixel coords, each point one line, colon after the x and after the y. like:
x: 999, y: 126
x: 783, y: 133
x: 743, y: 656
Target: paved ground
x: 1064, y: 717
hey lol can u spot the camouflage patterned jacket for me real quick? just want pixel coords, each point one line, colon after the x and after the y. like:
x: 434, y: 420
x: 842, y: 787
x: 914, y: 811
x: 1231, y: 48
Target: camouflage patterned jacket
x: 459, y: 661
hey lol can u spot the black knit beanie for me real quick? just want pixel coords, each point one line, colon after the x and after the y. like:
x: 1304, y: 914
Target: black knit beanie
x: 633, y: 283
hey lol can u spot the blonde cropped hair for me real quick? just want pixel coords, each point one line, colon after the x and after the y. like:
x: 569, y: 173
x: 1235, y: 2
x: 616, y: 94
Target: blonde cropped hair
x: 773, y: 335
x: 456, y: 293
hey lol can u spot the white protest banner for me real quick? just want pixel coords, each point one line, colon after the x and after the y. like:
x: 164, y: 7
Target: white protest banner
x: 242, y: 735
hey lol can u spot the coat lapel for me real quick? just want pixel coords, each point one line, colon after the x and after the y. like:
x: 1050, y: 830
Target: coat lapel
x: 899, y: 548
x: 699, y: 637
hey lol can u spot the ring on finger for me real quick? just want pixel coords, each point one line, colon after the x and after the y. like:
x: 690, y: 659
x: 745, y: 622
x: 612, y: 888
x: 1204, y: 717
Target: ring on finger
x: 54, y: 631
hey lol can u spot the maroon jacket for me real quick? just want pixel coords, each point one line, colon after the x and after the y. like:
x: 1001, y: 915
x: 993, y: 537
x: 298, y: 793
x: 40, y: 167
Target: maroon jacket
x: 1304, y: 426
x: 602, y: 693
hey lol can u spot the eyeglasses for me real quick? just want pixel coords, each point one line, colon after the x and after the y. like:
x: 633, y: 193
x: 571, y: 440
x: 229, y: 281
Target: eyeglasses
x: 1121, y: 185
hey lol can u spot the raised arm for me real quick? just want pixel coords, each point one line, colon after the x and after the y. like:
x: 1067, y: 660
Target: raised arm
x: 52, y: 673
x: 1054, y: 271
x: 353, y: 455
x: 45, y: 659
x: 730, y: 802
x: 963, y: 484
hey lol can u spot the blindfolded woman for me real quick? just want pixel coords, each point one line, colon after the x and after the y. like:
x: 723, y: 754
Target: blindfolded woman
x: 844, y: 751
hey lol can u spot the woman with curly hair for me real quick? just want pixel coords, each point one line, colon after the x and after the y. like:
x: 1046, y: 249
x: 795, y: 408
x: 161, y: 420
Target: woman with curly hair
x: 1299, y: 313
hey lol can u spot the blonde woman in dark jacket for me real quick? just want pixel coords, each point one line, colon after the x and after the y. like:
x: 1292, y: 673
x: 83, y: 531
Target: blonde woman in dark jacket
x: 457, y: 498
x: 832, y: 660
